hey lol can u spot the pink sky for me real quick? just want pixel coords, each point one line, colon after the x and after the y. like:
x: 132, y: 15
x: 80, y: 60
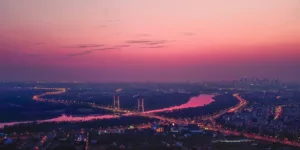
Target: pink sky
x: 149, y: 40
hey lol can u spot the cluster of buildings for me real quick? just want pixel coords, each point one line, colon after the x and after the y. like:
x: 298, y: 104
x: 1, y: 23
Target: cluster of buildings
x: 166, y: 91
x: 257, y: 81
x: 156, y: 128
x: 5, y: 140
x: 80, y: 139
x: 267, y: 115
x: 175, y: 128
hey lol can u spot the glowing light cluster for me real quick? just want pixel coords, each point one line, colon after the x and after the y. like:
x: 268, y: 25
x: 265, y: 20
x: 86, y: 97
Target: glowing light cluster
x: 278, y: 112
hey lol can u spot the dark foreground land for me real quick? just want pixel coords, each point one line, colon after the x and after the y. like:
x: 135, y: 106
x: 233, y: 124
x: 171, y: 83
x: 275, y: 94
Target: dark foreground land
x: 145, y: 139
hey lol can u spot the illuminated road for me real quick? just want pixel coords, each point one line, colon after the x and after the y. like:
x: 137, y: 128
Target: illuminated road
x: 41, y: 143
x: 278, y: 112
x: 242, y: 103
x: 87, y: 141
x: 252, y: 136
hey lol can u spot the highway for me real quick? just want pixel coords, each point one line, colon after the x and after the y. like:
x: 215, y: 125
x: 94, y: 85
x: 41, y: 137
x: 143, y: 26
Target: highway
x: 216, y: 115
x: 242, y: 103
x: 278, y: 112
x: 41, y: 143
x: 87, y: 141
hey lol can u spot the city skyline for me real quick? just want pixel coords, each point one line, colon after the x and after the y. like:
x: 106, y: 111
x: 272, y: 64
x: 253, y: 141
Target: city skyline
x: 137, y: 41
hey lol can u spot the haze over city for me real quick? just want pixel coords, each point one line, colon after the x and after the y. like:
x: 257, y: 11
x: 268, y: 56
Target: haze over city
x: 149, y: 40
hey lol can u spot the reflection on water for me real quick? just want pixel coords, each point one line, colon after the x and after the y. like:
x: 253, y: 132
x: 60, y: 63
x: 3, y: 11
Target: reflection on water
x: 200, y: 100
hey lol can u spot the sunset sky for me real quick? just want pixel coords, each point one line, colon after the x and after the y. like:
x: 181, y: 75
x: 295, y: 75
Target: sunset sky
x: 149, y: 40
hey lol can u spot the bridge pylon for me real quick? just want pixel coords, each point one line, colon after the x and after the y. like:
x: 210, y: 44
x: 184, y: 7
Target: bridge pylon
x: 141, y: 104
x: 116, y: 103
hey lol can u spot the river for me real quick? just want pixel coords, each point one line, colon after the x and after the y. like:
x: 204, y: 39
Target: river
x: 197, y: 101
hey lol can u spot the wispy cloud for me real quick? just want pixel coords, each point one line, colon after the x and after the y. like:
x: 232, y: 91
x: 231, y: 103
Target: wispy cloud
x: 103, y: 49
x: 85, y: 46
x: 158, y: 42
x: 188, y: 33
x: 91, y: 51
x: 143, y: 43
x: 161, y: 46
x: 121, y: 46
x: 80, y: 53
x: 138, y: 41
x: 148, y: 42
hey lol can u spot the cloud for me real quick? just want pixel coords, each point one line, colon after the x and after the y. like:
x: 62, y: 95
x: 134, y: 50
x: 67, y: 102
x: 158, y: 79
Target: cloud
x: 138, y: 41
x: 161, y: 46
x: 145, y: 43
x: 103, y: 49
x: 148, y: 42
x: 157, y: 42
x: 84, y: 46
x: 188, y: 33
x: 81, y: 53
x: 121, y: 46
x: 91, y: 51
